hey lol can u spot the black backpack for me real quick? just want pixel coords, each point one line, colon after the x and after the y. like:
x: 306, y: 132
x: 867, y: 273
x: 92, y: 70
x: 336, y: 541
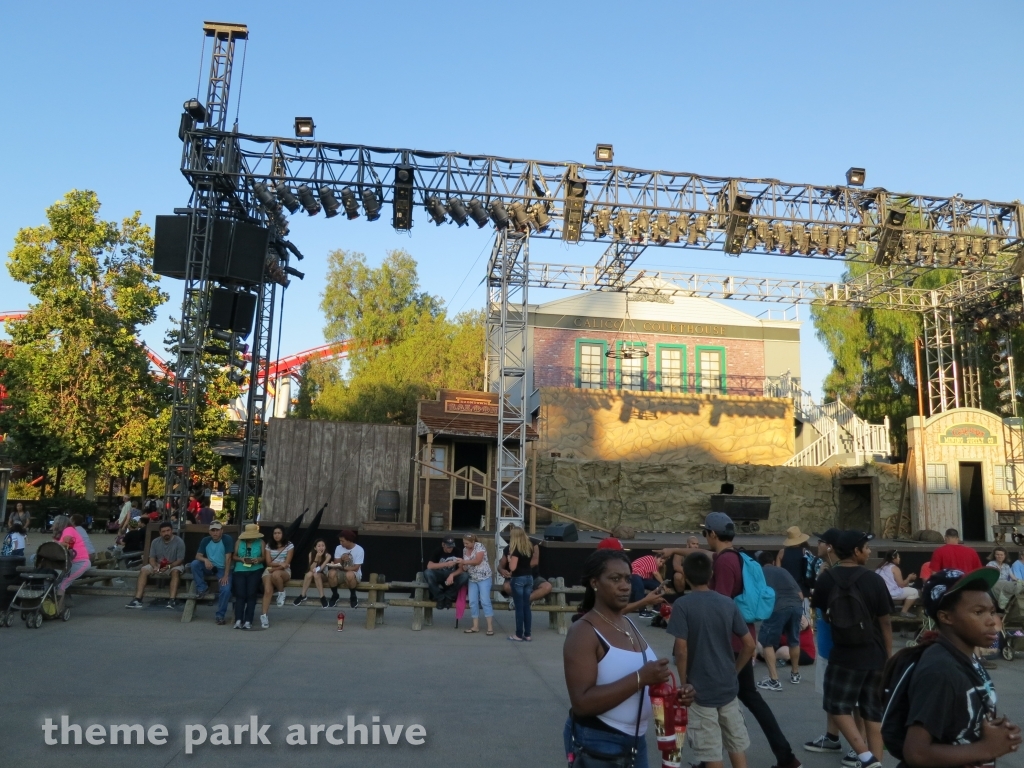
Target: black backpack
x: 846, y: 611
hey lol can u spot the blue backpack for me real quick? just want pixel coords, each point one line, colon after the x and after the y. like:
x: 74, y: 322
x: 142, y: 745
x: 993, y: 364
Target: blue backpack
x: 757, y: 600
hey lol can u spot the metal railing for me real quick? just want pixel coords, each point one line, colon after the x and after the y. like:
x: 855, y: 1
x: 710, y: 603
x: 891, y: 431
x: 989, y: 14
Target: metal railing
x: 818, y: 452
x: 614, y: 378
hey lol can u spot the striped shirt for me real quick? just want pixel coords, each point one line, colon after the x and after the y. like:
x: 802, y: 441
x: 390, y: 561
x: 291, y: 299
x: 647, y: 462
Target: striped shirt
x: 645, y: 567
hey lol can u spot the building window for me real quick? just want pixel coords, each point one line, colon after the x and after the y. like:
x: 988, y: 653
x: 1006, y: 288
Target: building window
x: 937, y: 478
x: 1006, y: 481
x: 671, y: 368
x: 711, y: 369
x: 438, y: 454
x: 590, y: 364
x: 632, y: 370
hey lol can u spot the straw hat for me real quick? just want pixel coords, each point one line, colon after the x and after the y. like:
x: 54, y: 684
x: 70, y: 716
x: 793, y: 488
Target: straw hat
x: 252, y: 531
x: 793, y: 537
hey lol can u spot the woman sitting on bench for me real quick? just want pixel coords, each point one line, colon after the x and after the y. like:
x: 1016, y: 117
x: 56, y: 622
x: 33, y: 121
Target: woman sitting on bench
x: 319, y: 557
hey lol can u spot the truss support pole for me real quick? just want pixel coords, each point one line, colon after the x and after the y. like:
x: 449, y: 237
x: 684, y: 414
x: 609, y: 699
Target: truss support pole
x: 611, y: 268
x: 507, y: 277
x: 970, y: 367
x: 251, y: 481
x: 201, y: 152
x: 940, y: 358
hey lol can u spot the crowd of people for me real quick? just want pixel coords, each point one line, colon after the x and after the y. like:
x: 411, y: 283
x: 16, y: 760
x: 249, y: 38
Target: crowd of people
x: 930, y: 705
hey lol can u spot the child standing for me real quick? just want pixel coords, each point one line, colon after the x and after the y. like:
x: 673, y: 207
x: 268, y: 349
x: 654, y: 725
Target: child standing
x: 940, y: 702
x: 703, y: 623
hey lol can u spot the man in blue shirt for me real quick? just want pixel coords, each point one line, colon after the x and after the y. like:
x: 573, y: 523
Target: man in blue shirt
x: 214, y: 558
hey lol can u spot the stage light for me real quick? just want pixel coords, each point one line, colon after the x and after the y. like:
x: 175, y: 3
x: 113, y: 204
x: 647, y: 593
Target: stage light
x: 889, y: 237
x: 800, y: 239
x: 926, y: 243
x: 601, y: 220
x: 220, y: 335
x: 498, y: 213
x: 281, y: 222
x: 960, y: 247
x: 236, y: 377
x: 621, y: 225
x: 266, y: 197
x: 660, y: 228
x: 309, y: 203
x: 852, y: 237
x: 436, y: 210
x: 783, y: 237
x: 401, y: 218
x: 700, y: 224
x: 371, y: 203
x: 304, y: 127
x: 477, y: 212
x: 539, y: 218
x: 348, y: 200
x: 835, y: 240
x: 977, y: 247
x: 575, y: 199
x: 855, y: 177
x: 736, y: 224
x: 520, y: 218
x: 292, y: 249
x: 691, y: 233
x: 539, y: 190
x: 942, y: 246
x: 1002, y: 383
x: 194, y: 109
x: 295, y: 273
x: 329, y: 202
x: 604, y: 153
x: 641, y: 226
x: 288, y: 200
x: 909, y: 245
x: 457, y: 210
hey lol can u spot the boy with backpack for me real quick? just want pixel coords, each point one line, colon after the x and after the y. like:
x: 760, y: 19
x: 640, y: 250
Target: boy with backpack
x: 704, y: 624
x: 856, y: 604
x: 740, y: 578
x: 940, y: 703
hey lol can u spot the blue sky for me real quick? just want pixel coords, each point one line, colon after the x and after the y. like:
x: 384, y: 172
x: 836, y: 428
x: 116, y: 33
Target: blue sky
x: 926, y: 96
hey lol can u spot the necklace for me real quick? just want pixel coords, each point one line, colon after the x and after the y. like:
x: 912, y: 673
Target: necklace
x: 615, y: 626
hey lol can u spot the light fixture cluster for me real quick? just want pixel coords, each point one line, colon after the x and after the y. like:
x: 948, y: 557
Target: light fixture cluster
x: 1005, y: 384
x: 233, y: 356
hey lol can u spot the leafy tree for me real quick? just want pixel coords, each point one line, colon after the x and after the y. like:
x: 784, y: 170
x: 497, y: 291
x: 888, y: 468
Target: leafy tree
x: 403, y: 345
x: 78, y: 379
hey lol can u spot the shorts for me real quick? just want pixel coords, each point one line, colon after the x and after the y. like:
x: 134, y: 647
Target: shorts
x: 147, y: 568
x: 711, y: 729
x: 286, y: 571
x: 785, y: 622
x: 849, y: 689
x: 538, y: 582
x: 907, y: 593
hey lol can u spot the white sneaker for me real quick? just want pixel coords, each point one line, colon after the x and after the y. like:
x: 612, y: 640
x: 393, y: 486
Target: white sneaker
x: 264, y: 621
x: 238, y: 624
x: 281, y: 597
x: 247, y: 625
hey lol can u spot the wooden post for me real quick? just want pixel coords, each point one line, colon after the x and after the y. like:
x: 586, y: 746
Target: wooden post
x: 533, y: 488
x: 415, y: 483
x: 426, y: 482
x: 371, y: 612
x: 561, y: 622
x: 418, y: 595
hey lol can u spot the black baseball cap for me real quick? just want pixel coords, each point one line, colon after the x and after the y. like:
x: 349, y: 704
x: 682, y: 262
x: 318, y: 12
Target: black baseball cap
x: 448, y: 541
x: 847, y: 541
x: 948, y: 581
x: 830, y: 537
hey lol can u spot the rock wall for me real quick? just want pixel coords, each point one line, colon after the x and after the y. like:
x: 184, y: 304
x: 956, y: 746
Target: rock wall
x: 615, y: 425
x: 675, y: 496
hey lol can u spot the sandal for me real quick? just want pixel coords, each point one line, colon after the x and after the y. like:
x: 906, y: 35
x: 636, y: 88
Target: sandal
x: 515, y: 639
x: 527, y: 639
x: 490, y: 632
x: 470, y: 631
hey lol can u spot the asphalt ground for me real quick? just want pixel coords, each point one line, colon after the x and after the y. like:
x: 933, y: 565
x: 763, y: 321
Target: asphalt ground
x: 481, y: 700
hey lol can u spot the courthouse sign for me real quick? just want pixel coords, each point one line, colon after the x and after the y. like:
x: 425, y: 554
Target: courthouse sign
x: 967, y: 434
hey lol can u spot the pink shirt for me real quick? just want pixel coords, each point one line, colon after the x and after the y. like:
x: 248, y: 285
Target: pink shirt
x: 76, y: 543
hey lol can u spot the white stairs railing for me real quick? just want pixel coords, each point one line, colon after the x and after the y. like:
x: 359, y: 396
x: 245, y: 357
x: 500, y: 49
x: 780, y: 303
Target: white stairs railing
x: 841, y: 430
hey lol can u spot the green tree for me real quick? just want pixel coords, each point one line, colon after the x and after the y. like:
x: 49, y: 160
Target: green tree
x: 78, y: 379
x: 403, y: 347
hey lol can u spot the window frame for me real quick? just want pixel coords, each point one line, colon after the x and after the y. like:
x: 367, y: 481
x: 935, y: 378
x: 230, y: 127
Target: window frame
x: 657, y: 374
x: 930, y: 487
x: 723, y: 387
x: 643, y: 365
x: 1000, y: 474
x: 604, y: 364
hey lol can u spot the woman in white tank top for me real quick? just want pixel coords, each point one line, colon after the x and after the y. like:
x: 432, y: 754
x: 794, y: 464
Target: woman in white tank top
x: 608, y: 667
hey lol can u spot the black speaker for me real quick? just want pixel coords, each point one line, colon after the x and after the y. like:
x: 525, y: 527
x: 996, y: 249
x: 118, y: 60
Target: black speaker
x: 238, y: 251
x: 232, y: 311
x: 245, y: 309
x: 561, y: 532
x: 170, y: 246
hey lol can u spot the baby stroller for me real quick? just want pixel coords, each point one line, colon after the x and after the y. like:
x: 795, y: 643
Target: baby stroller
x: 36, y: 598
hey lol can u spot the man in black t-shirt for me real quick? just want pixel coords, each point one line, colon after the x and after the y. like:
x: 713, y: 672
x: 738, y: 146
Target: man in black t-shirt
x: 855, y: 668
x: 444, y: 575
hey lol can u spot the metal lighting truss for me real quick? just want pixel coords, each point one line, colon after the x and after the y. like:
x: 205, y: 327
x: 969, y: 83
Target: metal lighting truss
x: 507, y: 312
x: 208, y: 203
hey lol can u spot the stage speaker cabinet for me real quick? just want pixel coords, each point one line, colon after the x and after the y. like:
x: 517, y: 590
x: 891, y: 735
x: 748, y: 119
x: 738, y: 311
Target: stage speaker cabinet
x: 245, y: 310
x: 170, y: 246
x: 232, y: 311
x: 561, y: 532
x: 238, y: 250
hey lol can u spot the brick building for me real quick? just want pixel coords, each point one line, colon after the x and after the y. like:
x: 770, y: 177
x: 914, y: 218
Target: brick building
x: 694, y: 345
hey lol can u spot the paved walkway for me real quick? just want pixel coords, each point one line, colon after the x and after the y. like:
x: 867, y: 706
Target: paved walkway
x: 482, y: 700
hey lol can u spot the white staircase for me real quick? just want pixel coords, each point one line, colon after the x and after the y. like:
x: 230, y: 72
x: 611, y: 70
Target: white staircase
x: 844, y: 437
